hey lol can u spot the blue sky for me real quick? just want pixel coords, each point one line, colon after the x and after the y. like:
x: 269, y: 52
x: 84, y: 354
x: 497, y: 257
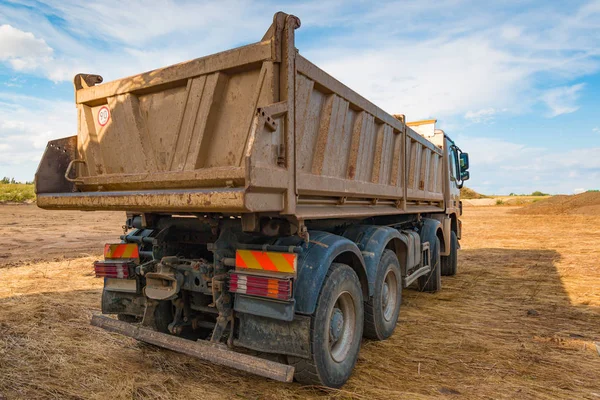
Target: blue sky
x: 516, y: 84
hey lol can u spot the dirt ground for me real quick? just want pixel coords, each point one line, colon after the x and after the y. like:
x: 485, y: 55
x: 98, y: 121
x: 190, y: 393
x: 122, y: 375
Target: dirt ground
x: 518, y: 321
x: 29, y: 233
x: 587, y: 203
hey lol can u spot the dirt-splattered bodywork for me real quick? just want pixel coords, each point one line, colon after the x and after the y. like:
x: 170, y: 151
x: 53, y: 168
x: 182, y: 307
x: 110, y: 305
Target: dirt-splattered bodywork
x: 257, y: 186
x: 254, y: 129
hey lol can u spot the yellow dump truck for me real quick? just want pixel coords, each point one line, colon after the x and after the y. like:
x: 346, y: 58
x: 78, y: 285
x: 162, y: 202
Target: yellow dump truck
x: 273, y: 215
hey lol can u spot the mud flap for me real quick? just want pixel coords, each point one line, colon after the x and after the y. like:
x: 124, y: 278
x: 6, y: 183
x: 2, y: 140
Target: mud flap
x: 215, y: 353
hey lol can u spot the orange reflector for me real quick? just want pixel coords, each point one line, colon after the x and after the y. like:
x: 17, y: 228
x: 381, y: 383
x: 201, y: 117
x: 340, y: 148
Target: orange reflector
x: 266, y: 261
x: 121, y: 250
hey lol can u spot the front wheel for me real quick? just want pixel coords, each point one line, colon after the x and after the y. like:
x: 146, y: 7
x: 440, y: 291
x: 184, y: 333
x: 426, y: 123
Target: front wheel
x: 336, y: 331
x: 450, y: 262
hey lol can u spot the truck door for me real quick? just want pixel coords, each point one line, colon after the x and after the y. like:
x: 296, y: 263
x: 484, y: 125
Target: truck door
x: 454, y: 174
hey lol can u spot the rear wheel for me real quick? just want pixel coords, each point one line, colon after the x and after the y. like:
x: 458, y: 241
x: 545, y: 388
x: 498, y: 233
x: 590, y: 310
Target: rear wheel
x: 381, y: 311
x: 432, y: 282
x: 450, y: 262
x: 336, y: 331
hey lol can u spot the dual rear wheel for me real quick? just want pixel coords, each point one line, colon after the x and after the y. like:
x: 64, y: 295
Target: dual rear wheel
x: 336, y: 331
x: 381, y: 310
x: 343, y: 316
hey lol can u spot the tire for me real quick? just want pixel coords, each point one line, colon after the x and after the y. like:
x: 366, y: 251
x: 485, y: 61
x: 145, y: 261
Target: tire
x: 163, y: 316
x: 450, y: 262
x: 432, y: 282
x: 331, y: 365
x: 381, y: 311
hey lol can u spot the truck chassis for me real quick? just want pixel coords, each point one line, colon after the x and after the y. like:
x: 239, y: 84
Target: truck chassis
x: 271, y: 210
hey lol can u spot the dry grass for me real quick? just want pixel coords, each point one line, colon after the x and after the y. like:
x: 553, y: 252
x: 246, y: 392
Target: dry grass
x: 518, y: 321
x: 16, y: 192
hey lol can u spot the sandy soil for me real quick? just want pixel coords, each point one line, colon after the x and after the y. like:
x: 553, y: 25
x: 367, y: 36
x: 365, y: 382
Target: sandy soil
x: 587, y: 203
x: 518, y: 321
x: 32, y: 234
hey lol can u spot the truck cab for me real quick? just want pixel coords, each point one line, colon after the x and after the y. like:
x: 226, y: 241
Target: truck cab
x: 455, y: 175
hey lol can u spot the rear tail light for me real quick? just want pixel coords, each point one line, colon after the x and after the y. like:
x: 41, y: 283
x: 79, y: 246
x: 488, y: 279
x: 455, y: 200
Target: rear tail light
x: 119, y: 261
x: 263, y: 286
x: 114, y: 269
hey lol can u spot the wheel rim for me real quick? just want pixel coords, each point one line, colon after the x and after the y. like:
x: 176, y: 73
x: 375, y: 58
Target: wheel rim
x: 389, y: 295
x: 342, y: 323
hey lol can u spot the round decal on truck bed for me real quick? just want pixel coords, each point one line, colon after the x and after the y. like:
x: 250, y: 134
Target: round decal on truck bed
x: 103, y: 115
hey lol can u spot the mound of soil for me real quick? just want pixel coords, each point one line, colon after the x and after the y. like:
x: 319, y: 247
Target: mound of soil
x: 468, y: 193
x: 585, y: 203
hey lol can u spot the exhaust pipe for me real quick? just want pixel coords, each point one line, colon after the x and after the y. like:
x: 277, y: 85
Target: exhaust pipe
x: 213, y: 352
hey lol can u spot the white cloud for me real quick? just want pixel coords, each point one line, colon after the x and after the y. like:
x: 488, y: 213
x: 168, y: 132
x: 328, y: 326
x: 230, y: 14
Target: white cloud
x: 511, y: 32
x: 138, y: 22
x: 562, y: 100
x: 22, y: 50
x: 499, y: 166
x: 438, y: 61
x: 428, y: 79
x: 445, y: 66
x: 483, y: 115
x: 26, y: 125
x: 578, y: 190
x: 116, y: 39
x: 597, y: 130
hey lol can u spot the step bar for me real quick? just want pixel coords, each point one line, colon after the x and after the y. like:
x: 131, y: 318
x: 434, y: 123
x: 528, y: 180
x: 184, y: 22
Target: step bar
x: 214, y: 353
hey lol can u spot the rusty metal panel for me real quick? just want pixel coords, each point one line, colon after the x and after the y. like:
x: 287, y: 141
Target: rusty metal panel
x: 352, y: 154
x: 342, y: 137
x: 201, y: 124
x: 425, y: 169
x: 220, y: 200
x: 50, y: 175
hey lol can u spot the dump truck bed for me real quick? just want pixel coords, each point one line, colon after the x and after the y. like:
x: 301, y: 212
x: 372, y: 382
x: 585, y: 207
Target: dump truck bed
x: 256, y: 129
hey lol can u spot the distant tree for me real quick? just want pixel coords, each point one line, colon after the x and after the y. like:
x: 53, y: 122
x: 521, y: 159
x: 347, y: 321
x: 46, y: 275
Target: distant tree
x: 538, y: 193
x: 5, y: 180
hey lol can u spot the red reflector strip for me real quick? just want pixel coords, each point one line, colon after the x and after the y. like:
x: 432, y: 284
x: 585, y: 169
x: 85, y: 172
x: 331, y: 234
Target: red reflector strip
x: 261, y: 286
x: 112, y: 270
x: 121, y: 250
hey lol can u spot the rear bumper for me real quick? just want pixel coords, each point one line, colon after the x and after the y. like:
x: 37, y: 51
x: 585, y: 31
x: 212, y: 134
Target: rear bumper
x: 215, y: 353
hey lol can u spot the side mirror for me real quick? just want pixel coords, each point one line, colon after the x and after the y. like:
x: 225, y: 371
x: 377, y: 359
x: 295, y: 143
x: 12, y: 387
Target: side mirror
x: 464, y: 175
x: 464, y: 164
